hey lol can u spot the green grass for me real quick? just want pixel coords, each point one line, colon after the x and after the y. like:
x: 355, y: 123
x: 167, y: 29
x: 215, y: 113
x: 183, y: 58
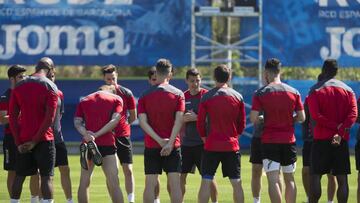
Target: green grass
x: 98, y: 191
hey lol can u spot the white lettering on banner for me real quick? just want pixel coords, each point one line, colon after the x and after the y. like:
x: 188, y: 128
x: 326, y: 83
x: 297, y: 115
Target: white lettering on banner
x: 341, y: 3
x: 15, y: 1
x: 41, y: 38
x: 336, y: 43
x: 117, y: 40
x: 48, y: 41
x: 72, y: 38
x: 75, y: 2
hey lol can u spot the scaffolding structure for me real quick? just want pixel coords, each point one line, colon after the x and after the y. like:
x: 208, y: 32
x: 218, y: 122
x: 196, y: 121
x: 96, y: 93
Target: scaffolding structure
x: 216, y: 48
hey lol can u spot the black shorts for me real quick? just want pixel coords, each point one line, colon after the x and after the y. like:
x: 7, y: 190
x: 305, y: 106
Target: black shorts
x: 255, y: 151
x: 357, y: 155
x: 191, y: 158
x: 61, y: 154
x: 9, y: 149
x: 285, y: 154
x: 124, y: 150
x: 230, y: 162
x: 42, y: 158
x: 155, y: 163
x: 104, y: 151
x: 306, y: 151
x: 326, y: 158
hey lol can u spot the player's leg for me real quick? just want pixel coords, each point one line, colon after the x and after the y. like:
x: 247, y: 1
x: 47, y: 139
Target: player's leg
x: 210, y: 162
x: 231, y: 166
x: 331, y: 188
x: 124, y: 153
x: 172, y: 166
x: 110, y: 169
x: 63, y: 164
x: 288, y: 162
x: 306, y: 168
x: 256, y: 168
x: 44, y: 153
x: 84, y: 184
x: 153, y: 168
x: 341, y: 169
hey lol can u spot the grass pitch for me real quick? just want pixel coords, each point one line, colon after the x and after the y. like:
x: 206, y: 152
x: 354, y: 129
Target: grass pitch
x: 98, y: 191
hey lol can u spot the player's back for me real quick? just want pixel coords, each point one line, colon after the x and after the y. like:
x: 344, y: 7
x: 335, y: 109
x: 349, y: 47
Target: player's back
x: 98, y: 108
x: 225, y: 116
x: 33, y: 96
x: 160, y: 103
x: 336, y: 100
x: 278, y: 101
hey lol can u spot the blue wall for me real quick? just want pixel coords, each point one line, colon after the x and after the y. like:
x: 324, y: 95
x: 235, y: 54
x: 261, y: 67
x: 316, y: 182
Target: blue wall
x: 74, y: 89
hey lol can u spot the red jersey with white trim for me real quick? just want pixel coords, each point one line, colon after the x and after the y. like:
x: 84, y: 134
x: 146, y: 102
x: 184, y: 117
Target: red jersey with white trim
x: 96, y: 110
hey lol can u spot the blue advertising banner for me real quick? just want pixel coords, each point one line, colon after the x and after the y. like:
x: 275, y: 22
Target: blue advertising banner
x: 95, y: 32
x: 304, y: 33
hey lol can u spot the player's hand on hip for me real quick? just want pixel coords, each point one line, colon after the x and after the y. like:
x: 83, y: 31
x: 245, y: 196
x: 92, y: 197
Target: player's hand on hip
x: 336, y: 140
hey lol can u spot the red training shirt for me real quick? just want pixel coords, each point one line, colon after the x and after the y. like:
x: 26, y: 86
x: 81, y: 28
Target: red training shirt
x: 160, y: 104
x: 221, y: 119
x: 332, y: 105
x: 278, y: 101
x: 96, y: 109
x: 129, y: 103
x: 35, y: 98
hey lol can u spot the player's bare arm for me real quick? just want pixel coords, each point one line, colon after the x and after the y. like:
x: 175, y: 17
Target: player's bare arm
x: 147, y: 128
x: 132, y: 116
x: 166, y: 150
x: 80, y: 127
x: 299, y: 117
x: 115, y: 118
x: 4, y: 118
x: 254, y: 117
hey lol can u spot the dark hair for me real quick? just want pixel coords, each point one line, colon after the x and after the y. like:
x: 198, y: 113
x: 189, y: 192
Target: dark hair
x: 329, y: 68
x: 14, y: 70
x: 163, y: 66
x: 222, y: 73
x: 273, y: 65
x: 320, y: 77
x: 108, y: 88
x: 151, y: 72
x: 192, y: 72
x: 108, y: 69
x: 45, y: 63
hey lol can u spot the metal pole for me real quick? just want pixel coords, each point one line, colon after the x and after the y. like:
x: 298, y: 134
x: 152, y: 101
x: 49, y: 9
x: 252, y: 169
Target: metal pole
x: 228, y: 35
x: 260, y: 42
x: 193, y: 35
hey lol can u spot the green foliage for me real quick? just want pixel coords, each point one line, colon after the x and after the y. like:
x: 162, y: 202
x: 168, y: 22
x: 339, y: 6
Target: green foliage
x: 93, y: 72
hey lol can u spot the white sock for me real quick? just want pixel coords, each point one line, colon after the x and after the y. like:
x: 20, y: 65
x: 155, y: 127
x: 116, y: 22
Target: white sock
x: 214, y: 202
x: 47, y: 201
x: 256, y: 199
x: 70, y: 201
x: 157, y: 200
x: 14, y: 201
x: 330, y: 201
x: 131, y: 197
x: 34, y: 199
